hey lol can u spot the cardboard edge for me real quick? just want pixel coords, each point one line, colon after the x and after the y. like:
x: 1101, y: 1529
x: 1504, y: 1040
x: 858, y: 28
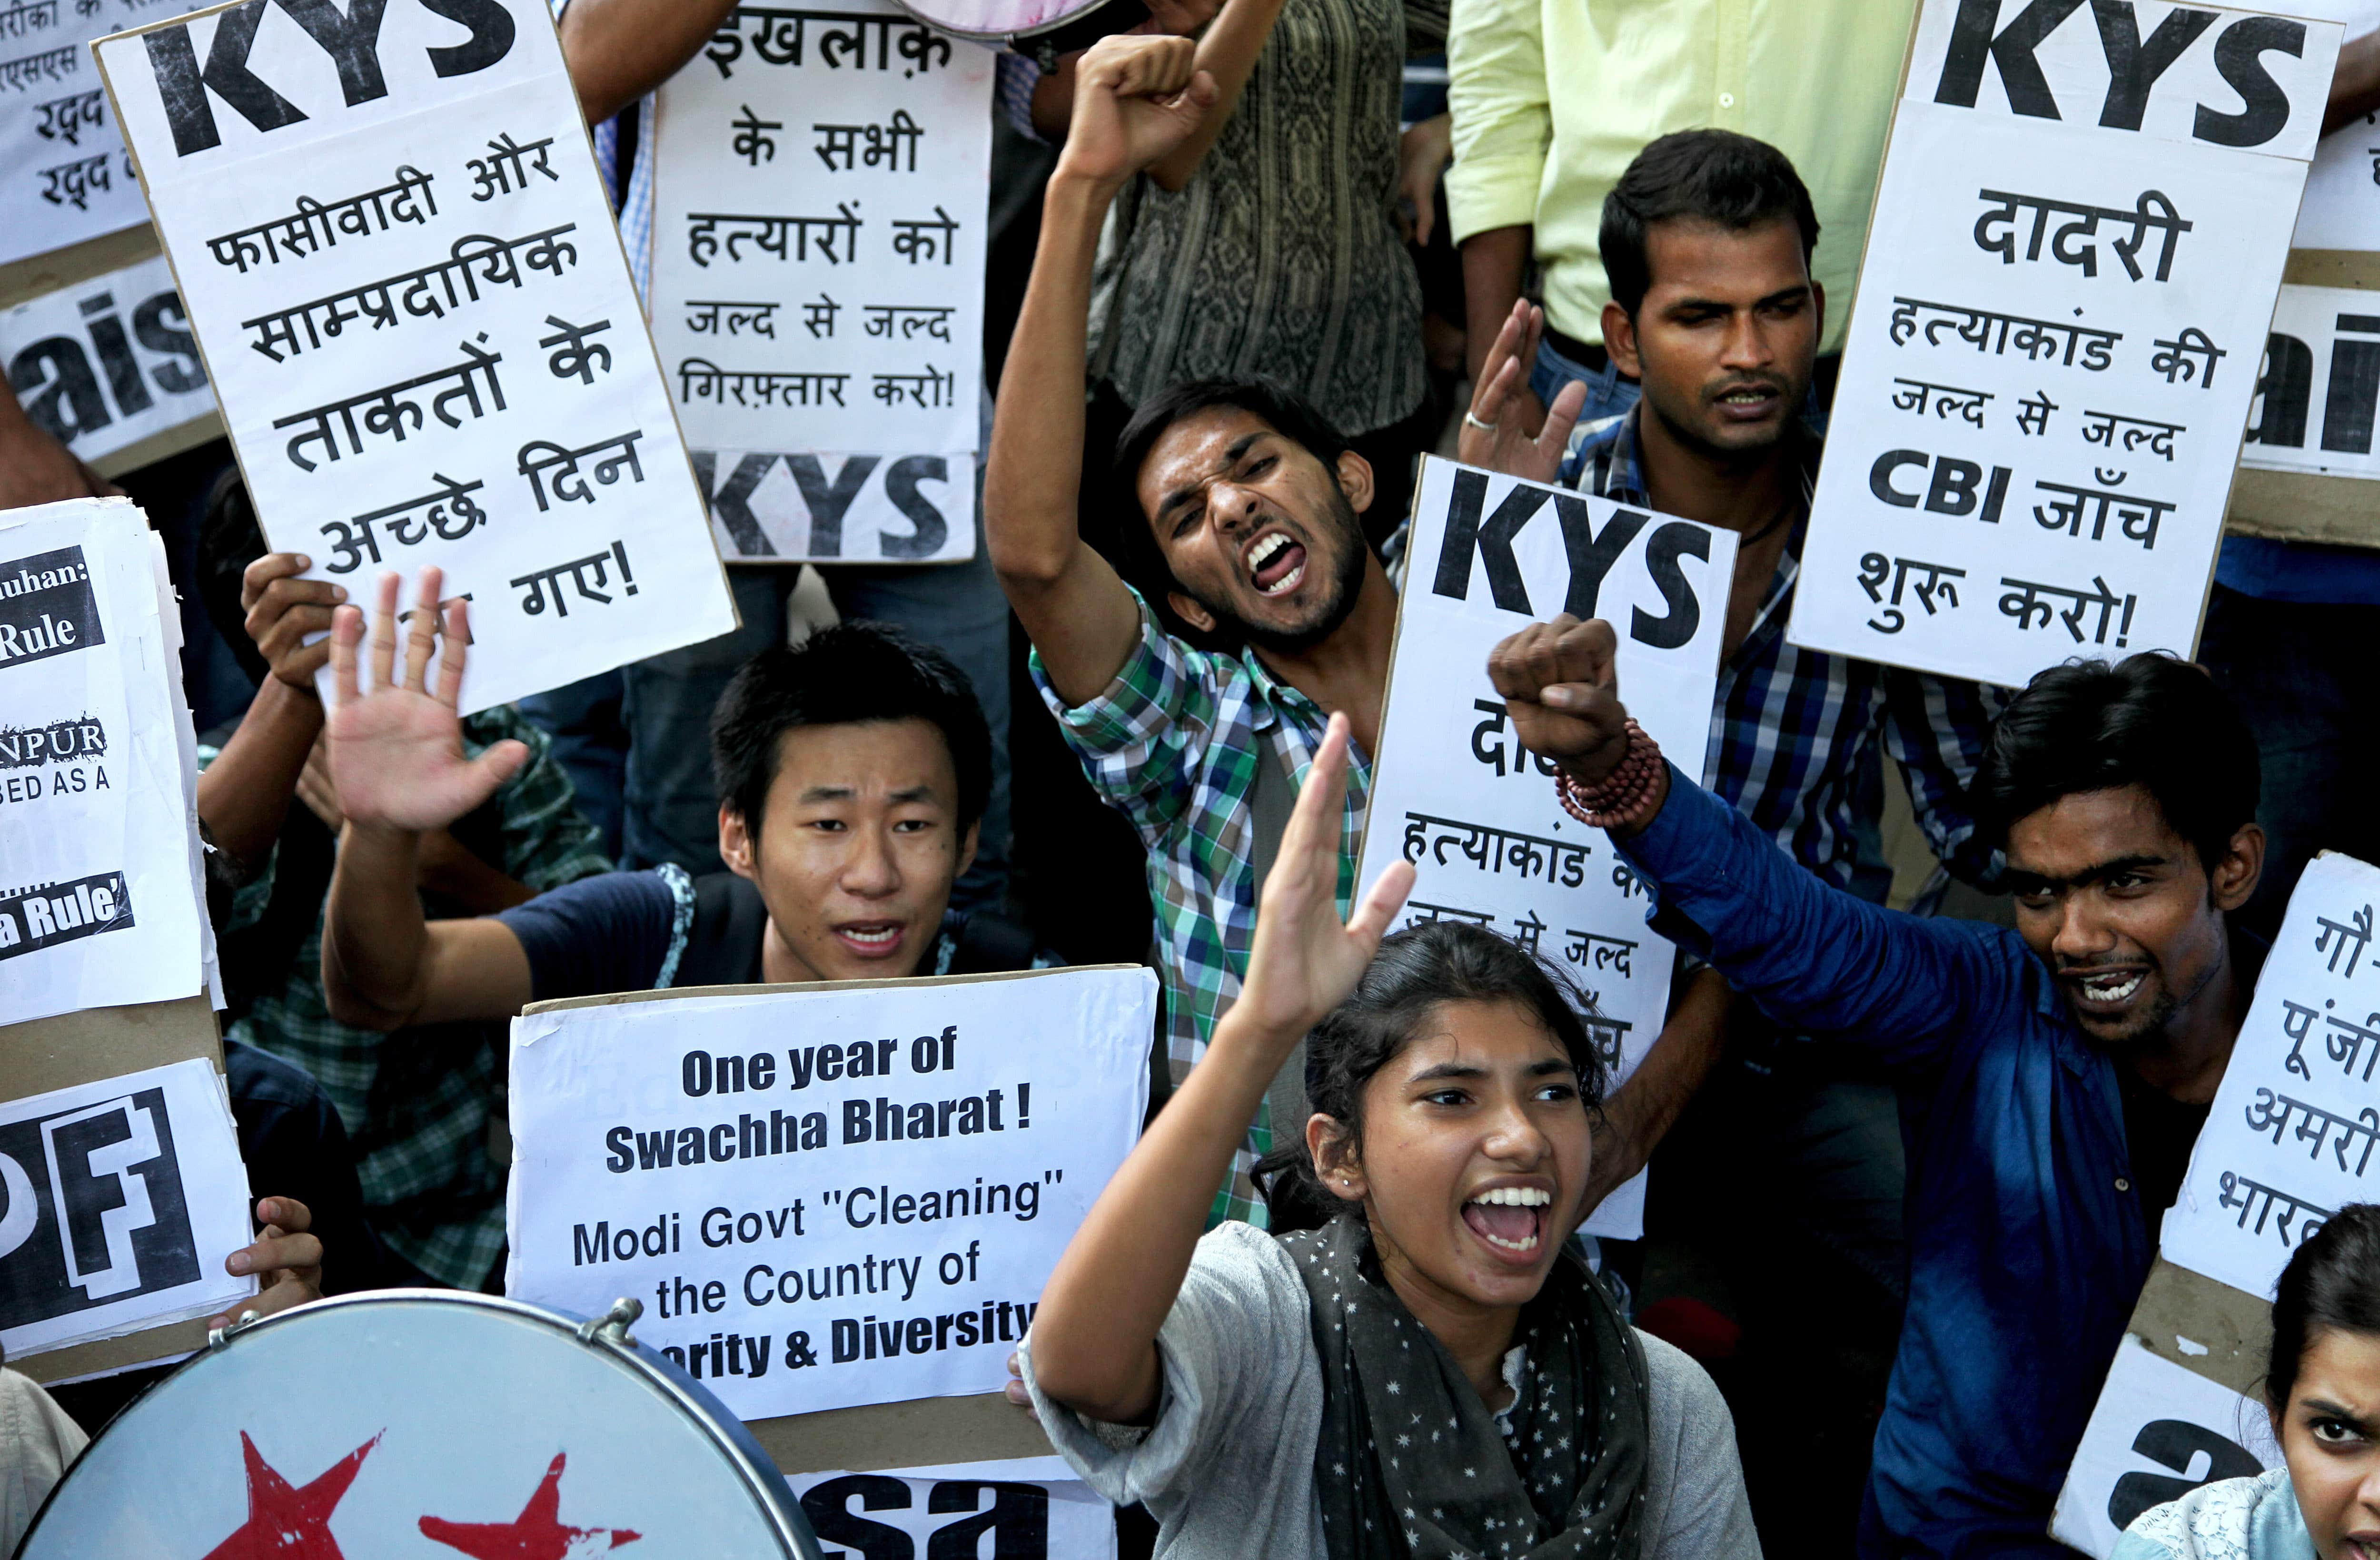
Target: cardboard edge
x: 90, y: 1044
x: 617, y: 999
x: 107, y: 1357
x: 53, y: 270
x: 2232, y: 1330
x: 921, y: 1432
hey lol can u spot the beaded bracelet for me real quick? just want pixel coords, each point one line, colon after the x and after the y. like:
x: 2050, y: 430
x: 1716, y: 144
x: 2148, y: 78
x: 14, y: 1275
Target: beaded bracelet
x: 1615, y: 802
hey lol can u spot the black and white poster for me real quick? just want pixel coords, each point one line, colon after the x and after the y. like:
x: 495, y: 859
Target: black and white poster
x: 820, y: 186
x: 2320, y: 386
x: 1029, y: 1509
x: 118, y: 1201
x: 401, y: 267
x: 1454, y: 790
x: 2157, y: 1433
x: 100, y: 884
x: 103, y: 363
x: 2079, y: 235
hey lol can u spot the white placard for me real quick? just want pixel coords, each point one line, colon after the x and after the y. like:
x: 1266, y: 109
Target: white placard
x: 124, y: 1198
x: 2342, y: 196
x: 1454, y: 791
x: 2157, y: 1433
x: 2315, y: 399
x: 2058, y: 324
x: 63, y: 173
x: 398, y: 257
x: 819, y: 189
x: 106, y: 363
x: 824, y: 1198
x: 2291, y: 1135
x: 1029, y: 1510
x: 102, y: 903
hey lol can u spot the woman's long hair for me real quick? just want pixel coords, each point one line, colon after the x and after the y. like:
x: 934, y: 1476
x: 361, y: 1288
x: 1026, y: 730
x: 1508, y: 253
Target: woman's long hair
x: 2331, y: 1284
x: 1415, y: 971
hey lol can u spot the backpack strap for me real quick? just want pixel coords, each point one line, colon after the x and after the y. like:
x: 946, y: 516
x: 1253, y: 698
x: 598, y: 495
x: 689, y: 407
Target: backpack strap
x: 731, y: 921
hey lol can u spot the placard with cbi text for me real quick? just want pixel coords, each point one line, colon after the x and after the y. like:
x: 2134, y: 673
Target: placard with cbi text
x: 397, y: 253
x: 824, y: 1196
x: 820, y: 186
x: 2074, y: 256
x: 1454, y: 793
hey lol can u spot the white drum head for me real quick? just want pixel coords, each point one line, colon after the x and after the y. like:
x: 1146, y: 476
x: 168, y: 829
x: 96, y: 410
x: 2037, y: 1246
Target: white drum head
x: 999, y: 19
x: 420, y: 1424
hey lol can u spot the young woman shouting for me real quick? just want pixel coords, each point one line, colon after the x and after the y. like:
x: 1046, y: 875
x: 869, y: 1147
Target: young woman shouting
x: 1431, y: 1372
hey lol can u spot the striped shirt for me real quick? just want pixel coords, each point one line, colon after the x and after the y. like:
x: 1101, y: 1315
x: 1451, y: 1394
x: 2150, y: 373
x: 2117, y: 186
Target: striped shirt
x: 1793, y: 730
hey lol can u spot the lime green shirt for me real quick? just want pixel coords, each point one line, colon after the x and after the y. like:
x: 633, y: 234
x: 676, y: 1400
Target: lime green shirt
x: 1552, y: 98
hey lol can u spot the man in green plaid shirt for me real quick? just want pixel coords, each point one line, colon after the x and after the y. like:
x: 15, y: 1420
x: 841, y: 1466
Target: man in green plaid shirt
x: 1248, y: 534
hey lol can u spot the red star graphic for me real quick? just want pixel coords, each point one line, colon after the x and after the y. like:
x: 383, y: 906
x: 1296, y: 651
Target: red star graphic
x: 287, y: 1524
x: 536, y: 1534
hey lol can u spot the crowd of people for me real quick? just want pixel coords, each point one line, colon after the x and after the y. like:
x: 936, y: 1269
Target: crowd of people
x: 1909, y: 1164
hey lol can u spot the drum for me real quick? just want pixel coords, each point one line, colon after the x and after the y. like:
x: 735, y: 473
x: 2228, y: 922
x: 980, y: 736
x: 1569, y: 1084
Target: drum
x: 419, y: 1423
x: 993, y: 20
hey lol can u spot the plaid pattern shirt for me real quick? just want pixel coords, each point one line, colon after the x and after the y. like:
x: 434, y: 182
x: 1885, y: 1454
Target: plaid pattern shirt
x: 417, y: 1104
x: 1173, y: 744
x: 1792, y: 729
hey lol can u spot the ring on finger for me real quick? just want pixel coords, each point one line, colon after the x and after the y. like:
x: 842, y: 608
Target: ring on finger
x: 1471, y: 421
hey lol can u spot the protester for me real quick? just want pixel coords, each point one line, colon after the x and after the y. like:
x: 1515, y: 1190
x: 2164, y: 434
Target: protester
x: 419, y: 1107
x: 1709, y: 239
x: 38, y: 1442
x: 1551, y: 102
x: 2054, y: 1077
x: 852, y: 777
x: 36, y: 468
x: 1264, y: 1396
x: 619, y: 52
x: 2322, y: 1392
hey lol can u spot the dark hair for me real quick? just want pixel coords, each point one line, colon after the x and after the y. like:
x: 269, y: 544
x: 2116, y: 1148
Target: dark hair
x: 2331, y: 1284
x: 1700, y: 175
x: 2149, y: 720
x: 1415, y: 971
x: 1139, y: 557
x: 853, y: 673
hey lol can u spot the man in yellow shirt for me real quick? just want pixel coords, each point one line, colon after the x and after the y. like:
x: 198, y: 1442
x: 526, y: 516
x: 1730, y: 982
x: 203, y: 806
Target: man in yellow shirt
x: 1552, y: 98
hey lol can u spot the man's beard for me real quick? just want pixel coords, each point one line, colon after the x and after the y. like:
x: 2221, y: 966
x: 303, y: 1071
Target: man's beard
x: 1346, y: 582
x: 1693, y: 439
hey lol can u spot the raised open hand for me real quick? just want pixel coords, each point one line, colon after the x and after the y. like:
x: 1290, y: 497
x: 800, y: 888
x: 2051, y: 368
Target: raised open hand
x: 1136, y: 98
x: 1304, y: 960
x: 1561, y: 683
x: 396, y: 750
x: 1503, y: 403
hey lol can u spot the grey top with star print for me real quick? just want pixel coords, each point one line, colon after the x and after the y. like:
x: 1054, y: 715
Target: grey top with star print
x: 1228, y: 1468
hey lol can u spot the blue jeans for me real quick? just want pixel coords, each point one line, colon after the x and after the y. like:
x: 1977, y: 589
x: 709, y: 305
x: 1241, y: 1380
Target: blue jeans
x: 1607, y: 395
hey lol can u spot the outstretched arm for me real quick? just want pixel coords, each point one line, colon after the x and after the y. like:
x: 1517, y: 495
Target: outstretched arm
x: 619, y: 50
x: 1094, y: 1336
x: 396, y: 758
x: 1228, y: 52
x: 1134, y: 99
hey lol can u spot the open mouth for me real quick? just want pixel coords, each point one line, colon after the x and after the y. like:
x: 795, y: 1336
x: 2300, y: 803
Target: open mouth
x: 873, y: 939
x: 1275, y: 565
x: 2108, y: 988
x: 1749, y: 401
x: 2361, y: 1547
x: 1510, y: 1219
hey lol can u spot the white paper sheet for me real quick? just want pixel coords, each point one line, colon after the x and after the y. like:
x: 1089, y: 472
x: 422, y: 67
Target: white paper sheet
x: 123, y: 1197
x: 1040, y: 1513
x: 762, y: 1199
x: 106, y: 363
x: 64, y: 174
x: 2315, y: 400
x: 2157, y: 1433
x: 1453, y: 790
x: 819, y: 188
x: 102, y: 901
x: 417, y: 314
x: 2048, y: 371
x: 2293, y: 1133
x: 2342, y: 197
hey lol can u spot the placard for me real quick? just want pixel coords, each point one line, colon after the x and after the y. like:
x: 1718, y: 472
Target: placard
x: 2293, y: 1130
x: 123, y: 1198
x: 2320, y: 387
x: 2158, y: 1432
x: 824, y: 1195
x: 103, y: 902
x: 65, y: 176
x: 107, y: 363
x: 1454, y: 793
x: 819, y: 190
x: 402, y: 269
x: 2074, y: 259
x: 2342, y: 197
x: 1033, y: 1510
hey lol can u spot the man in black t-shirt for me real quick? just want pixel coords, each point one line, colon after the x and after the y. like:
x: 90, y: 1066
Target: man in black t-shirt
x: 852, y: 776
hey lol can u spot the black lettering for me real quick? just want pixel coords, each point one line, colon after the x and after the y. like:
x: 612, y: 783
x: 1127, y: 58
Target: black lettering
x: 694, y: 1073
x: 1492, y: 540
x: 2239, y: 53
x: 2133, y: 66
x: 352, y: 39
x: 827, y: 1507
x: 1952, y: 490
x: 1972, y: 41
x: 115, y: 353
x: 929, y: 530
x: 1018, y: 1516
x: 1879, y: 476
x: 619, y: 1140
x: 1592, y: 556
x: 2175, y: 1444
x: 1673, y: 540
x: 2347, y: 411
x: 183, y: 87
x: 731, y: 505
x: 490, y: 39
x: 150, y: 325
x: 2284, y: 392
x: 55, y: 383
x: 827, y: 501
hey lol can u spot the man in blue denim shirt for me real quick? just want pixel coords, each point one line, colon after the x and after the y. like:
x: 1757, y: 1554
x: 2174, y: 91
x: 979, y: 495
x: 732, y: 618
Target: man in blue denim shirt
x: 2052, y: 1079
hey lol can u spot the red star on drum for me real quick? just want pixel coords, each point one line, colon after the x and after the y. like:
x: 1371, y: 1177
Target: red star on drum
x: 537, y: 1533
x: 290, y: 1524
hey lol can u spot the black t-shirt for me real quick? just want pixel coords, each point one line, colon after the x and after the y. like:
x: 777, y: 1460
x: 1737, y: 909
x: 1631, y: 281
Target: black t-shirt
x: 2159, y: 1131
